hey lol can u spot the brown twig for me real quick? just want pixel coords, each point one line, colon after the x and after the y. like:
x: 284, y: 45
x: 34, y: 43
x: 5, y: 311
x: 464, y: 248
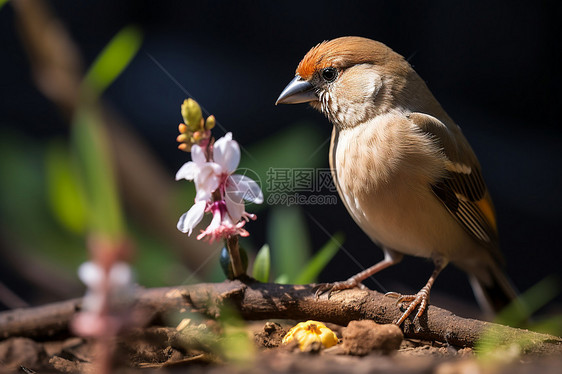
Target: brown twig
x: 234, y: 253
x: 257, y: 301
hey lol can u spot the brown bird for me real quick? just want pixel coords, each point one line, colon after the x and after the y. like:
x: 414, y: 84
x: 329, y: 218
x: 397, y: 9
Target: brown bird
x: 402, y: 167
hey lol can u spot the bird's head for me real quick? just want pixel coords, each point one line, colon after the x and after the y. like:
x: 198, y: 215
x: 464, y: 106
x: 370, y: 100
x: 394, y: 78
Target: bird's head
x: 350, y: 79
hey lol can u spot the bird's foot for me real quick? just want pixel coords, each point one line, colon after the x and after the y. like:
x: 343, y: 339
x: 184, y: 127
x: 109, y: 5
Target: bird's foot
x: 419, y: 300
x: 337, y: 286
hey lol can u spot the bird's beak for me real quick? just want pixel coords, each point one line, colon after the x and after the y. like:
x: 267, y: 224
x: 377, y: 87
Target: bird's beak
x: 296, y: 92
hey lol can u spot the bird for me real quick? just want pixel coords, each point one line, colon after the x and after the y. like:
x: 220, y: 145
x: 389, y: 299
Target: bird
x: 403, y: 169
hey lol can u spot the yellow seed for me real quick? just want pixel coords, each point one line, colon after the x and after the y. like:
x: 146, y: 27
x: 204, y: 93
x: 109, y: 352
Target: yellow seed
x: 311, y: 332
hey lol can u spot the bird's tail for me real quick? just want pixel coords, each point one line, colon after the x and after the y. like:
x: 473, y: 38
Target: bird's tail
x: 493, y: 290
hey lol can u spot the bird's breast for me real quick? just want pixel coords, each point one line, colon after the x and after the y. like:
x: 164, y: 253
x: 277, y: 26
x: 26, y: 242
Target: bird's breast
x: 383, y: 170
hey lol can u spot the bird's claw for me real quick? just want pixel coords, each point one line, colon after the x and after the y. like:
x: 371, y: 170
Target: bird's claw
x: 336, y: 286
x: 394, y: 295
x: 418, y: 300
x: 322, y: 289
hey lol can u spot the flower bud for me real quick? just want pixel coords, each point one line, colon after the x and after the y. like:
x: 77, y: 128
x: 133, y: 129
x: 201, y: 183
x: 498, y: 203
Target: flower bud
x: 197, y: 136
x: 191, y: 113
x: 182, y: 138
x: 182, y: 128
x: 184, y: 147
x: 210, y: 122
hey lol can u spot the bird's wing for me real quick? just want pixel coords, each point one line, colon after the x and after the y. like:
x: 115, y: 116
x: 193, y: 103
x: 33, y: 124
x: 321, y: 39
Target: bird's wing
x: 462, y: 190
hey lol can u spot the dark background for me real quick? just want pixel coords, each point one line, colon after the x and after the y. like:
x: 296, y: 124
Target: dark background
x: 495, y: 66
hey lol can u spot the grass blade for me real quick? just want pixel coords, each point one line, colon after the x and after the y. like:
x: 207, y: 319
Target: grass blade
x: 313, y: 268
x: 262, y: 264
x: 114, y: 58
x: 289, y: 241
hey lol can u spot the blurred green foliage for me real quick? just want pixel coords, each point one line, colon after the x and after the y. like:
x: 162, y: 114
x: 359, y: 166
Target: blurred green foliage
x: 54, y: 192
x: 288, y: 237
x: 536, y: 297
x: 114, y: 58
x: 26, y: 220
x: 292, y: 147
x: 313, y: 267
x: 90, y: 144
x: 235, y: 344
x: 65, y: 196
x: 2, y: 3
x: 89, y: 137
x: 262, y: 264
x: 45, y: 191
x: 492, y: 345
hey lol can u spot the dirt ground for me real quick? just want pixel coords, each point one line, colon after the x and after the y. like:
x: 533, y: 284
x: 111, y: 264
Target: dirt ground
x: 197, y: 348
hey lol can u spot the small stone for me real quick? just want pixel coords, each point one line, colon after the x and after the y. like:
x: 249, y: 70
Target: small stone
x: 362, y: 337
x: 271, y: 335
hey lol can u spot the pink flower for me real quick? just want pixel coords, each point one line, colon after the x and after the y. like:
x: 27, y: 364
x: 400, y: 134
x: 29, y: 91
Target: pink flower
x: 205, y: 174
x: 105, y: 304
x: 229, y: 213
x: 222, y: 225
x: 118, y: 281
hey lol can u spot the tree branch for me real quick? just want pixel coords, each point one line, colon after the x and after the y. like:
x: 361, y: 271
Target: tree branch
x: 258, y: 301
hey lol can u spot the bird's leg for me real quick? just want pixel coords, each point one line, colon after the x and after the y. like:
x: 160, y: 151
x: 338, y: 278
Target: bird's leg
x: 390, y: 258
x: 422, y: 297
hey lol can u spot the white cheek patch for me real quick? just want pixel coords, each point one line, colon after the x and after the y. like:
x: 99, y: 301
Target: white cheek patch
x: 375, y: 86
x: 350, y: 98
x: 363, y: 83
x: 361, y: 87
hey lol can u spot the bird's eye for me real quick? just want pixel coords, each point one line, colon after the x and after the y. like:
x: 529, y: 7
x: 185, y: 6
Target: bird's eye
x: 329, y: 74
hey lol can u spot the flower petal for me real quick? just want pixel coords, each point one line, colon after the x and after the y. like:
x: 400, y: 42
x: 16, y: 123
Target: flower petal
x: 188, y: 171
x: 91, y: 274
x: 244, y: 187
x: 198, y: 155
x: 234, y: 207
x: 207, y: 180
x: 226, y: 153
x: 120, y: 275
x: 189, y: 220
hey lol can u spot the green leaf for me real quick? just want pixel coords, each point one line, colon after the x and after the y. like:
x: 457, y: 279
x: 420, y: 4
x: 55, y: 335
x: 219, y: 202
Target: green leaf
x: 493, y: 343
x: 551, y: 325
x: 2, y: 3
x: 282, y: 279
x: 25, y: 217
x: 65, y: 195
x: 92, y: 148
x: 289, y: 241
x: 262, y: 264
x: 529, y: 302
x: 90, y: 138
x: 312, y: 270
x: 235, y: 344
x: 114, y: 58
